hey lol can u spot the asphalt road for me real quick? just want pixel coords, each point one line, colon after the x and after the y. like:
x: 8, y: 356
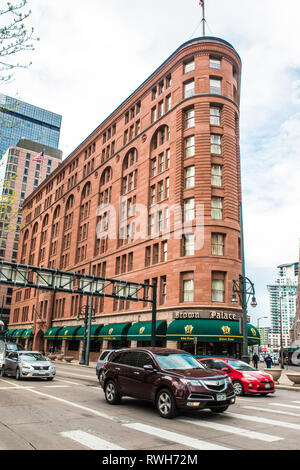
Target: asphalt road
x: 70, y: 413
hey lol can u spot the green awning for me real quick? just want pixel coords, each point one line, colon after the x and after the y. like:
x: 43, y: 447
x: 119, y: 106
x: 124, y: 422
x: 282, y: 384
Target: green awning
x: 18, y: 333
x: 27, y: 333
x: 142, y: 331
x: 212, y: 331
x: 114, y: 331
x: 67, y: 333
x: 95, y: 330
x: 11, y: 332
x: 52, y: 333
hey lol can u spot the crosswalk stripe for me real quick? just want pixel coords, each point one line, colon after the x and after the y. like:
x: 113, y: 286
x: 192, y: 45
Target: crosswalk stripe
x: 175, y: 437
x: 286, y: 406
x: 271, y: 410
x: 261, y: 420
x: 90, y: 441
x: 56, y: 386
x: 296, y: 402
x: 233, y: 430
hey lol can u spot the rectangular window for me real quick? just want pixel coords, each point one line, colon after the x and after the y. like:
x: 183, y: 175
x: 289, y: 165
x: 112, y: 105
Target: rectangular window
x: 164, y: 251
x: 215, y: 116
x: 189, y: 209
x: 189, y: 144
x: 155, y: 253
x: 189, y: 118
x: 153, y: 167
x: 148, y: 256
x: 218, y: 286
x: 189, y: 66
x: 188, y: 290
x: 217, y: 208
x: 217, y: 244
x: 189, y: 244
x: 215, y: 86
x: 168, y: 103
x: 214, y: 63
x: 167, y: 188
x: 160, y: 108
x: 152, y: 195
x: 215, y: 144
x: 163, y: 290
x: 216, y: 175
x: 161, y: 159
x: 189, y: 89
x: 160, y: 191
x: 189, y: 177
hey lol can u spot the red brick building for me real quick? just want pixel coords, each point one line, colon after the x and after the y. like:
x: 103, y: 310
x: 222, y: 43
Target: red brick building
x: 167, y: 157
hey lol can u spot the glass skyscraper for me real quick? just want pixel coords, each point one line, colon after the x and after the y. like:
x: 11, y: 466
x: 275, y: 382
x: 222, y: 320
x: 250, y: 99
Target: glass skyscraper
x: 20, y: 120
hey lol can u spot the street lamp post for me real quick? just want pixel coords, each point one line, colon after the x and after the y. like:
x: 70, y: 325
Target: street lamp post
x: 244, y: 288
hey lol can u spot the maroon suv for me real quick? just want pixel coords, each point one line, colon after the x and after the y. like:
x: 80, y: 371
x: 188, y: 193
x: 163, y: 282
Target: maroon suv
x: 171, y: 379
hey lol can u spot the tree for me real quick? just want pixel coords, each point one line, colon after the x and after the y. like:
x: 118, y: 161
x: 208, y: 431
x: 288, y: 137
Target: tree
x: 14, y: 36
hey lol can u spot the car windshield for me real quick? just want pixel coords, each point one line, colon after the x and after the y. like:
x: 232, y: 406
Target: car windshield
x: 240, y: 365
x: 32, y: 357
x: 177, y: 361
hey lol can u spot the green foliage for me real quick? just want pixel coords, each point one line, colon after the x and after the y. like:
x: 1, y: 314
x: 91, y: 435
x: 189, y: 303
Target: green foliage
x: 14, y: 36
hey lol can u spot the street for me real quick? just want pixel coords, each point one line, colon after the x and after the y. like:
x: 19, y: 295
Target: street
x: 71, y: 413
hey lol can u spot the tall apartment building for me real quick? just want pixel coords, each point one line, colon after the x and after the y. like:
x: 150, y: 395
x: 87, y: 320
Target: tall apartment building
x: 152, y: 195
x: 20, y: 175
x: 20, y: 120
x: 284, y: 293
x: 295, y: 331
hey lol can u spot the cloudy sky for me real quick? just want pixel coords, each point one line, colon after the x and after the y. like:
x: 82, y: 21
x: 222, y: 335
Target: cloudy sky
x: 93, y: 54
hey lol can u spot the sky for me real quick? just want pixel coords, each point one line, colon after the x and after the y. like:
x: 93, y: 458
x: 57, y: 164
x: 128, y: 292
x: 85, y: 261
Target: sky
x: 93, y: 54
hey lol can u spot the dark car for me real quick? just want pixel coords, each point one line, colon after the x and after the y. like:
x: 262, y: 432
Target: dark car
x: 103, y: 358
x: 170, y: 379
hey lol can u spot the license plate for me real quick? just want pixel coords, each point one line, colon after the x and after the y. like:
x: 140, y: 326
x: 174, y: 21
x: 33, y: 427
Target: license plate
x: 221, y: 397
x: 267, y: 386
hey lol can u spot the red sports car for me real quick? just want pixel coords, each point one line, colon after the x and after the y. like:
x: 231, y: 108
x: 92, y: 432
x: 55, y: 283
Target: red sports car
x: 245, y: 378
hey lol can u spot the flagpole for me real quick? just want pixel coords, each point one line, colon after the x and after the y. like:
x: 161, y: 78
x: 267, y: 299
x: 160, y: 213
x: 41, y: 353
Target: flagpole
x: 203, y: 18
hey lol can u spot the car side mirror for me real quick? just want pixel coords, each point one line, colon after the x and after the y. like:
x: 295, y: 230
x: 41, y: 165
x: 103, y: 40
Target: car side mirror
x: 225, y: 369
x: 149, y: 368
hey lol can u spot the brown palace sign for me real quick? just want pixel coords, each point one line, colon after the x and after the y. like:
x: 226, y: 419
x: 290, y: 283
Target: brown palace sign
x: 201, y: 315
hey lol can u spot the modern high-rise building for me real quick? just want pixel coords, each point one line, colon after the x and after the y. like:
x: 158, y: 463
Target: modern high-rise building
x: 20, y: 174
x: 20, y: 120
x: 283, y: 297
x: 152, y: 195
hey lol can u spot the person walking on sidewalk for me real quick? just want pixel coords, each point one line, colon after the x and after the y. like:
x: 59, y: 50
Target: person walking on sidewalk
x: 268, y: 361
x: 255, y: 360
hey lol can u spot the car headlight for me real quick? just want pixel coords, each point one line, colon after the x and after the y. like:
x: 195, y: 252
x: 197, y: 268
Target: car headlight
x: 52, y: 368
x: 191, y: 382
x: 228, y: 380
x: 250, y: 377
x: 27, y: 367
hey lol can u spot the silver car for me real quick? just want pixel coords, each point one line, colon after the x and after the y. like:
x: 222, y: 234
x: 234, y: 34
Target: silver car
x: 103, y: 358
x: 30, y: 364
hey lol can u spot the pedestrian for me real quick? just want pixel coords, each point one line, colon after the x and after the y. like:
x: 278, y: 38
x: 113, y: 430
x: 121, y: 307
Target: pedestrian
x: 255, y: 360
x: 268, y: 361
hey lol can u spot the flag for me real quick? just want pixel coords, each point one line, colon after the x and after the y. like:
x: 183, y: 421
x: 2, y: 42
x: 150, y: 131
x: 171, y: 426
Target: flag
x: 39, y: 157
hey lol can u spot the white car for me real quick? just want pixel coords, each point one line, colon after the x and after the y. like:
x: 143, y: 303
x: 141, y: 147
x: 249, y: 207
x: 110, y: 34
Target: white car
x: 28, y: 364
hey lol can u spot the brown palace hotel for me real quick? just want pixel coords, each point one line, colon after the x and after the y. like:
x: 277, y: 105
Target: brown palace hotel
x: 167, y: 156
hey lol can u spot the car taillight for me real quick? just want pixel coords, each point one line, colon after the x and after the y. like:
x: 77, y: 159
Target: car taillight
x: 104, y: 366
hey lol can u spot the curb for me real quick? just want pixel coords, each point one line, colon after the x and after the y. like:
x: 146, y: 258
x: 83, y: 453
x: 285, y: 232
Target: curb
x: 287, y: 387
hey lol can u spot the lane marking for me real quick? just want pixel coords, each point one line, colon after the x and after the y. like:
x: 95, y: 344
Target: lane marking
x: 56, y: 386
x: 175, y: 437
x: 256, y: 419
x: 16, y: 388
x: 233, y: 430
x: 90, y: 441
x: 67, y: 381
x: 269, y: 410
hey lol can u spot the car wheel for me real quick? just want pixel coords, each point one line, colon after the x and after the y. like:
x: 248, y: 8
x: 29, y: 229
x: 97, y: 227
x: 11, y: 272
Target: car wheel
x: 2, y: 372
x: 238, y: 388
x: 50, y: 378
x: 111, y: 393
x: 165, y: 404
x: 18, y: 374
x: 220, y: 410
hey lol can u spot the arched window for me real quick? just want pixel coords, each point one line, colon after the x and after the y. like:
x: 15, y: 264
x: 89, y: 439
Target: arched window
x: 70, y: 203
x: 106, y: 176
x: 160, y: 137
x: 86, y: 191
x: 130, y: 159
